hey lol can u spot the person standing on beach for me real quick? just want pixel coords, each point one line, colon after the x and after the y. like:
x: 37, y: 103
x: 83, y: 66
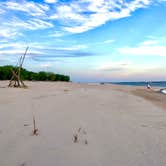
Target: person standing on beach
x: 148, y: 86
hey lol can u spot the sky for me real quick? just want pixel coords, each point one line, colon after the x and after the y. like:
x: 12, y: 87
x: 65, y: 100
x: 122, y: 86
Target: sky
x: 89, y: 40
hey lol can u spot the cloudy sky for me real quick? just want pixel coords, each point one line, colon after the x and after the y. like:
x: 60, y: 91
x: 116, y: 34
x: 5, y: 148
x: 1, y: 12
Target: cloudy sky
x: 90, y: 40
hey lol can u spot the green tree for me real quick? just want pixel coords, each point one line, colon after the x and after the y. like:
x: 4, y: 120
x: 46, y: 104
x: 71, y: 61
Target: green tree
x: 6, y: 74
x: 42, y: 76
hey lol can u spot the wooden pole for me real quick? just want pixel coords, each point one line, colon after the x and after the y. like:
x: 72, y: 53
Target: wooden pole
x: 16, y: 77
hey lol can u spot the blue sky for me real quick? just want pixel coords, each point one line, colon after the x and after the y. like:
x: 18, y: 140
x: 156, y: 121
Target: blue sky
x: 90, y: 40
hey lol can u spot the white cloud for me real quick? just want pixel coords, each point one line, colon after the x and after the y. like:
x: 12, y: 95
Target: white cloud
x: 115, y: 66
x: 53, y: 17
x: 1, y: 11
x: 57, y: 34
x: 14, y: 27
x: 67, y: 14
x: 89, y: 23
x: 6, y: 32
x: 18, y: 52
x: 137, y: 4
x: 44, y: 46
x: 154, y: 50
x: 82, y: 23
x: 73, y: 48
x: 15, y: 45
x: 34, y: 16
x: 3, y: 41
x: 162, y: 1
x: 13, y: 53
x: 38, y: 24
x: 149, y: 42
x: 50, y: 1
x: 83, y: 15
x: 45, y: 65
x: 108, y: 41
x: 73, y: 17
x: 100, y: 11
x: 126, y: 70
x: 32, y: 8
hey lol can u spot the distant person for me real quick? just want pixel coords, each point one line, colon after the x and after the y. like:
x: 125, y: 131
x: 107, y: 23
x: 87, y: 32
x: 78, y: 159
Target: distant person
x: 148, y: 86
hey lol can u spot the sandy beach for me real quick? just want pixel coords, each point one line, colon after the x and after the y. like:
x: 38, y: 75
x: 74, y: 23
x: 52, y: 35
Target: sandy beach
x: 82, y: 125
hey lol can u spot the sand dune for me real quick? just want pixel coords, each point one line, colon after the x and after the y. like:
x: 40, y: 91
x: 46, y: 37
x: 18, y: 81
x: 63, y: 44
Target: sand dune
x: 114, y: 125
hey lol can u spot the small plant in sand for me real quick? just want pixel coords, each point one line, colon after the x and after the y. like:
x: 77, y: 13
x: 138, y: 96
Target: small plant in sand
x: 86, y: 142
x: 35, y: 130
x: 75, y: 138
x: 79, y: 129
x: 23, y: 164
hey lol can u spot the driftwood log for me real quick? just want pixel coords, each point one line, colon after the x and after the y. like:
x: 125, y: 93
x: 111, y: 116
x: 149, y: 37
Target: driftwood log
x: 16, y: 80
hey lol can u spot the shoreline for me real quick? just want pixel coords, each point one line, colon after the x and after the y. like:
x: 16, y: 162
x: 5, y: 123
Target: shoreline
x: 154, y: 95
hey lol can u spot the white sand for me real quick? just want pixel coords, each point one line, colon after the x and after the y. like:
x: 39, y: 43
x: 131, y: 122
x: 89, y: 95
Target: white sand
x: 121, y: 129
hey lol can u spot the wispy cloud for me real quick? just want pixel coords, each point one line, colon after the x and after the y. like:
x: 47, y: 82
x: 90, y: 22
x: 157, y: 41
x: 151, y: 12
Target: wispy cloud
x: 29, y: 23
x: 1, y: 11
x: 82, y: 16
x: 108, y: 41
x: 72, y: 16
x: 50, y: 1
x: 15, y: 27
x: 48, y: 55
x: 127, y: 70
x: 153, y: 46
x: 45, y: 65
x: 19, y: 52
x: 31, y: 8
x: 73, y: 48
x: 147, y: 50
x: 42, y: 52
x: 9, y: 33
x: 57, y: 48
x: 22, y: 16
x: 115, y: 66
x: 57, y: 34
x: 37, y: 24
x: 11, y: 45
x: 149, y: 42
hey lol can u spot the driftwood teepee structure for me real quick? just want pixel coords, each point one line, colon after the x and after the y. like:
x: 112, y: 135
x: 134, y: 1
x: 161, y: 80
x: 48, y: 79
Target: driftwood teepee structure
x: 16, y: 75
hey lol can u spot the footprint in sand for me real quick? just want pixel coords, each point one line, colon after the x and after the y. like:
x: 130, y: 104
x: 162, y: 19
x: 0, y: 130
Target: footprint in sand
x: 23, y: 164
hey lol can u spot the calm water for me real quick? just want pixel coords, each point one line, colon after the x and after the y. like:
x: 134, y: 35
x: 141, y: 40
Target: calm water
x: 156, y: 83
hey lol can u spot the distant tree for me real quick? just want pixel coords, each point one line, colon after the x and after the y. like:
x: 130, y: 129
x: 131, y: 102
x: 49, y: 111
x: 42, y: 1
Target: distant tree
x: 42, y: 76
x: 6, y: 74
x: 58, y: 77
x: 66, y: 78
x: 51, y: 77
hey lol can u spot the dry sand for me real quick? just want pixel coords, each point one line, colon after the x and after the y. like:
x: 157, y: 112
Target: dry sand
x: 115, y: 125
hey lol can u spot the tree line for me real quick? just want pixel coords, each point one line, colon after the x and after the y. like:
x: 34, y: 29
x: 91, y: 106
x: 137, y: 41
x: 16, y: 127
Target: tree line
x: 6, y: 74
